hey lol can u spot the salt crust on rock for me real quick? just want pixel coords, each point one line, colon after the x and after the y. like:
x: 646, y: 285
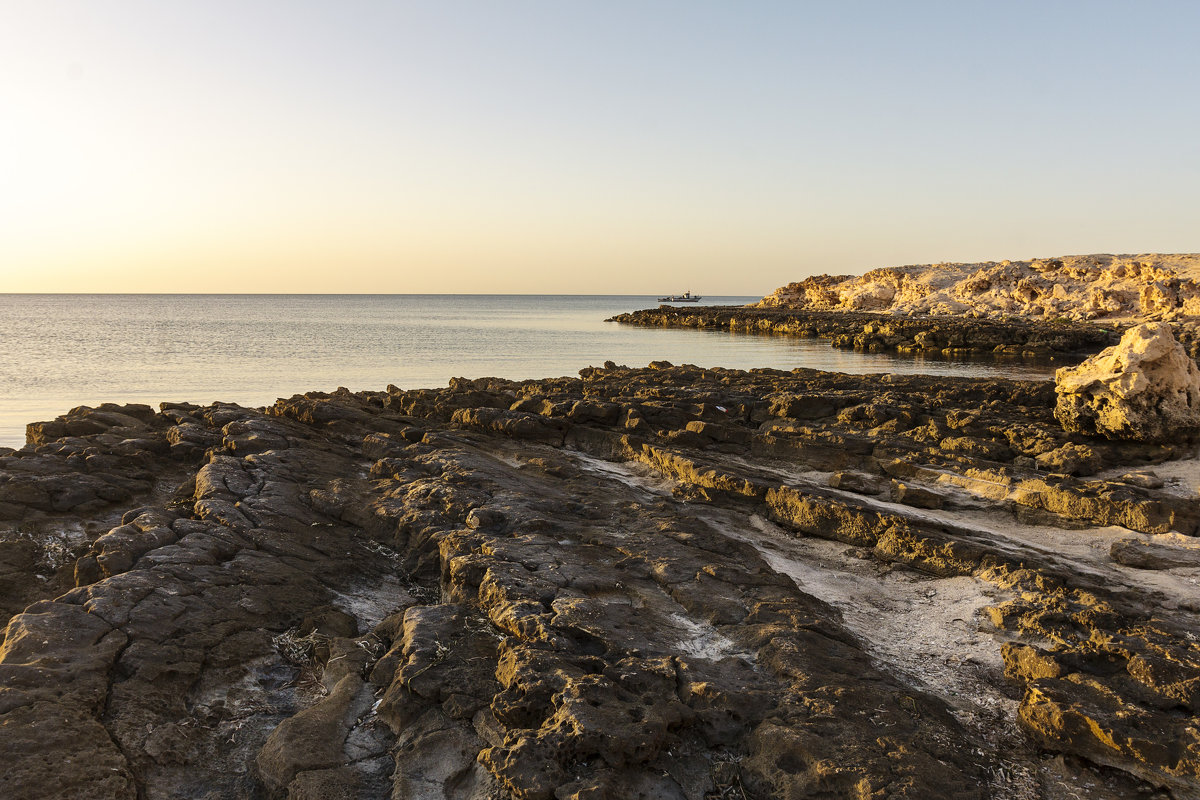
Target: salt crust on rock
x: 634, y: 583
x: 1145, y: 388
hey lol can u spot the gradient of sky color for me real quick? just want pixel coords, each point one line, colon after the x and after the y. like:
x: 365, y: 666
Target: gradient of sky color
x: 583, y: 147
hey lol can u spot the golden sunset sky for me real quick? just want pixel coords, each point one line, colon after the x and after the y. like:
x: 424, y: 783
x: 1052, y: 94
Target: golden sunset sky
x: 582, y: 147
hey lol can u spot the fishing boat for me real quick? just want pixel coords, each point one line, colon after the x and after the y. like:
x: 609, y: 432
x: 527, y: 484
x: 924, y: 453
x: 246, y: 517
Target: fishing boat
x: 686, y: 297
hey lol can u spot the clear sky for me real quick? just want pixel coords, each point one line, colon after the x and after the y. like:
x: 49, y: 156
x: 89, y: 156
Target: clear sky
x: 590, y: 146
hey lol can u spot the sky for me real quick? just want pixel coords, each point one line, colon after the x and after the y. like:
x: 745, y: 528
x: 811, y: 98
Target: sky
x: 583, y: 146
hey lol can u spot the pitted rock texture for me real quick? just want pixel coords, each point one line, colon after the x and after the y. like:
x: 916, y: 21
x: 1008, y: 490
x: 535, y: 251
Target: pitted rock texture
x: 1145, y: 388
x: 637, y: 583
x: 1115, y: 287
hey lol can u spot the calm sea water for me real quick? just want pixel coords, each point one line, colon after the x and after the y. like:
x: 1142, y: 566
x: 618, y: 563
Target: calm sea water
x: 60, y: 351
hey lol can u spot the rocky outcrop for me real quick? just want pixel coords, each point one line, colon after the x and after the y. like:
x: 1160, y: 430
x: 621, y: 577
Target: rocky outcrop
x: 875, y: 333
x: 1122, y: 287
x: 666, y: 582
x: 1145, y: 388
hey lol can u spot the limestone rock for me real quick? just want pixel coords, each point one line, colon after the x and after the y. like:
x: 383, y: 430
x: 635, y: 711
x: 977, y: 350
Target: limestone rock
x: 856, y: 482
x: 1144, y: 389
x: 1143, y: 286
x: 915, y: 496
x: 874, y: 332
x: 1143, y: 478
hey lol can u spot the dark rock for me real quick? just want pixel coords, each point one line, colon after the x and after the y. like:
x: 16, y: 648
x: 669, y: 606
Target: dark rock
x: 881, y: 332
x: 1147, y: 555
x: 494, y: 589
x: 857, y: 482
x: 917, y: 496
x: 1146, y: 480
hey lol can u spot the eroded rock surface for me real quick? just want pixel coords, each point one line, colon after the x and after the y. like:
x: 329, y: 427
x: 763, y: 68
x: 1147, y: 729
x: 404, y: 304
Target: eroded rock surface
x: 668, y: 582
x: 1145, y: 388
x: 1101, y: 286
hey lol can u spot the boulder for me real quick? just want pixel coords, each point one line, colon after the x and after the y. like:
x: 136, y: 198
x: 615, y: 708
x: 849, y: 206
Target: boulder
x: 1145, y: 388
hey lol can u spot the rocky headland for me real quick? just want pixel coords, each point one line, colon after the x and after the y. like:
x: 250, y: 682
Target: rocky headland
x: 660, y: 582
x: 1124, y: 288
x: 1056, y: 308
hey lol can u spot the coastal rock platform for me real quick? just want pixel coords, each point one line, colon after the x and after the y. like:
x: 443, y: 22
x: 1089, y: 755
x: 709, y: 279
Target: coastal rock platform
x: 1056, y: 308
x: 882, y: 333
x: 662, y: 582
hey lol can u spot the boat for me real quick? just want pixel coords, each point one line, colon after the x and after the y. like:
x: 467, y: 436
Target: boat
x: 686, y: 297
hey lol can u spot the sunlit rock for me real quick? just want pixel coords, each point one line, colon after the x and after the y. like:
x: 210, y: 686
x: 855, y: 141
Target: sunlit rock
x: 1145, y: 388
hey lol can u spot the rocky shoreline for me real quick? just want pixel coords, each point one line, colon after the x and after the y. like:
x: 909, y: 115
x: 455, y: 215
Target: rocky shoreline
x: 665, y: 582
x: 1148, y: 287
x: 879, y: 332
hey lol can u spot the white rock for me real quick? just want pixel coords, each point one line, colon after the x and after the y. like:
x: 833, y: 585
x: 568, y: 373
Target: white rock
x: 1115, y: 287
x: 1145, y: 388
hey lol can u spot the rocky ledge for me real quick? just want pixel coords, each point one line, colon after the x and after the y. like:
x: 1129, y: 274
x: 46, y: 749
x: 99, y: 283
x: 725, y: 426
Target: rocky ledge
x: 666, y: 582
x: 1057, y: 308
x: 874, y: 332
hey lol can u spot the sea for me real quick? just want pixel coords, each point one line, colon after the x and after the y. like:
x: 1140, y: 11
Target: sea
x: 59, y: 351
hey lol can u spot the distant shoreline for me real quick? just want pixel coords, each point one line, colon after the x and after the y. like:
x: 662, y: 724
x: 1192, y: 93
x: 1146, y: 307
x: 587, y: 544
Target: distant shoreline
x: 880, y: 332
